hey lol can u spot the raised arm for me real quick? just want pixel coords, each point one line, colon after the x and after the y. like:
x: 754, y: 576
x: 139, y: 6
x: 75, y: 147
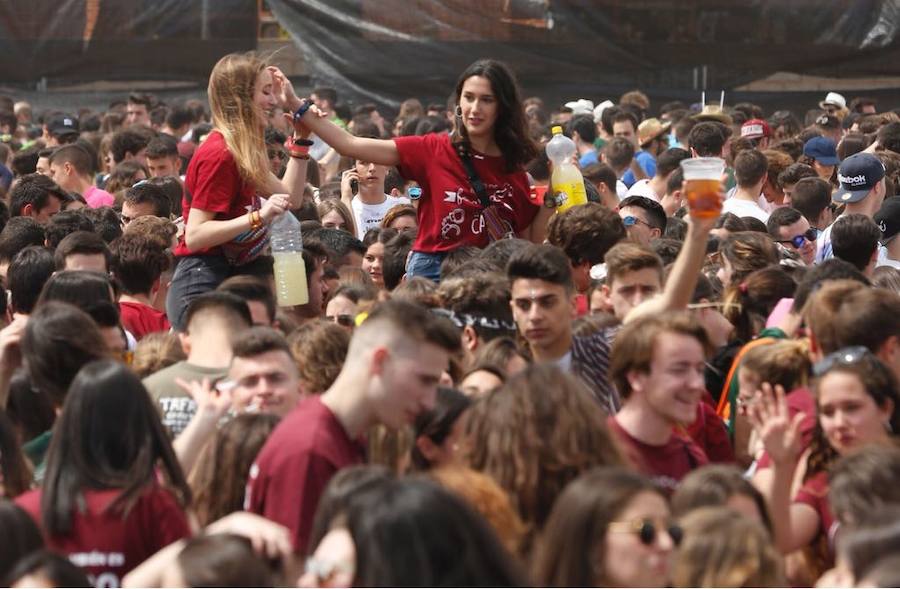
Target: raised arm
x: 378, y: 151
x: 683, y: 278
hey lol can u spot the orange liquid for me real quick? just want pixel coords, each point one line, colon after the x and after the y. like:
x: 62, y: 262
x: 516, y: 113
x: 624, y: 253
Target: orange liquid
x: 703, y: 198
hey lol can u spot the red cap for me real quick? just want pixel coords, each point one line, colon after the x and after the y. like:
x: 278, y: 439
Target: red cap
x: 755, y: 128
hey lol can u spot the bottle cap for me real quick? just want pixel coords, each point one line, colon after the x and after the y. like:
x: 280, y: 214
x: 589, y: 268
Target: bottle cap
x: 556, y: 130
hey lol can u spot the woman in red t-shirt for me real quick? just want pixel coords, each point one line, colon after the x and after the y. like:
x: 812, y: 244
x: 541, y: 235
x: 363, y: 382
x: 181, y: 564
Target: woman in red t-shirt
x: 491, y: 130
x: 225, y: 218
x: 102, y: 504
x: 857, y: 405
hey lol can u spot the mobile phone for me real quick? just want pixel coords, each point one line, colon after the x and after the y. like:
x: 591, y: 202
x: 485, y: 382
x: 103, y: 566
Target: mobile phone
x: 354, y: 185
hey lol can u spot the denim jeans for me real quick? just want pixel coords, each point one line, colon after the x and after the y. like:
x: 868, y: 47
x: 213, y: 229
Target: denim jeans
x: 197, y: 275
x: 425, y: 264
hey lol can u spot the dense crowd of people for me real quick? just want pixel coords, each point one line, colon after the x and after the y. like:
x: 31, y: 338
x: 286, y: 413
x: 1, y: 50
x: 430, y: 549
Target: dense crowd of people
x: 480, y: 390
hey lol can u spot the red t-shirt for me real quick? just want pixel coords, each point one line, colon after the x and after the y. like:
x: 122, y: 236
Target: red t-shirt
x: 214, y: 184
x: 140, y: 319
x: 814, y: 493
x: 709, y: 432
x: 449, y: 210
x: 666, y: 464
x: 290, y: 473
x: 798, y: 401
x: 108, y: 546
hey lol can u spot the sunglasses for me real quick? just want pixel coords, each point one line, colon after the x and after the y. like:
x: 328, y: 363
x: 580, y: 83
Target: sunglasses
x: 646, y: 530
x: 342, y: 320
x: 631, y: 221
x: 798, y: 240
x: 843, y: 357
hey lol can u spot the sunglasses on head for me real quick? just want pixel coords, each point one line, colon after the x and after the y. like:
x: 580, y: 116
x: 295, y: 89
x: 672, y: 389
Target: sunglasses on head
x: 798, y: 240
x: 843, y: 357
x: 646, y: 530
x: 631, y: 221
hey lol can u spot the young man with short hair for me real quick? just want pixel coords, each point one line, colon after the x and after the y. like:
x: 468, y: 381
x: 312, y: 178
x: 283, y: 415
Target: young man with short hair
x: 706, y: 139
x: 138, y: 262
x: 811, y: 196
x: 162, y: 157
x: 792, y: 231
x: 83, y: 250
x: 619, y: 154
x: 666, y: 164
x: 395, y: 361
x: 644, y: 219
x: 36, y: 196
x: 634, y: 274
x: 212, y: 320
x: 28, y: 271
x: 862, y: 190
x: 263, y: 374
x: 773, y: 191
x: 750, y: 172
x: 137, y: 109
x: 19, y: 233
x: 61, y: 129
x: 370, y: 203
x: 131, y: 144
x: 625, y: 125
x: 789, y: 177
x: 583, y: 132
x: 604, y: 179
x: 71, y: 166
x: 854, y: 239
x: 888, y: 220
x: 145, y: 199
x: 658, y: 365
x: 258, y: 295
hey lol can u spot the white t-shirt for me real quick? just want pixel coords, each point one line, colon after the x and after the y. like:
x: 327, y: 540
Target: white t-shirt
x: 642, y: 188
x: 744, y: 208
x: 621, y: 190
x: 370, y: 216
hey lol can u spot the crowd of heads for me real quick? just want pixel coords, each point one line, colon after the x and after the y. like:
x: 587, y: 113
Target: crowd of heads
x: 557, y: 413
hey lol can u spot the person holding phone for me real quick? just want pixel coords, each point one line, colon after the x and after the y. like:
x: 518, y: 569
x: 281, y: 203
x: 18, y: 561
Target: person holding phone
x: 474, y: 186
x: 362, y: 190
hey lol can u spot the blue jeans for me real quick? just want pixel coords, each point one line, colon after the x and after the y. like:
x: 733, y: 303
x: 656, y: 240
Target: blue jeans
x: 197, y: 275
x: 425, y: 264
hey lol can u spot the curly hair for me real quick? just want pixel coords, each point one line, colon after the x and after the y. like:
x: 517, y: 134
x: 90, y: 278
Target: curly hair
x: 537, y: 433
x: 586, y: 233
x: 319, y: 349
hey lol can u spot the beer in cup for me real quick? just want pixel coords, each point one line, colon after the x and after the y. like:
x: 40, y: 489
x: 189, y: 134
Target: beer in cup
x: 702, y: 185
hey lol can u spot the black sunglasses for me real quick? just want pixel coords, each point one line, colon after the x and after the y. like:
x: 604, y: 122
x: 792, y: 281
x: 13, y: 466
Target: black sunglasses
x: 843, y: 357
x: 798, y: 240
x: 646, y: 530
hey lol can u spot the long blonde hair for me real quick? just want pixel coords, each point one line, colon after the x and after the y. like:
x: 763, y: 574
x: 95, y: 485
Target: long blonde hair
x: 231, y: 87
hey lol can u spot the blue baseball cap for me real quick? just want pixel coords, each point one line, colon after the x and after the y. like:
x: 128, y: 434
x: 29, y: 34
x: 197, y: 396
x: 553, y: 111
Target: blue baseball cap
x: 858, y: 175
x: 823, y: 150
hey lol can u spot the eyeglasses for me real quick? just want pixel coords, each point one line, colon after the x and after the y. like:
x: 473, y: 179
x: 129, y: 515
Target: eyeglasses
x: 631, y: 221
x: 843, y: 357
x: 798, y: 240
x: 342, y: 320
x: 646, y: 530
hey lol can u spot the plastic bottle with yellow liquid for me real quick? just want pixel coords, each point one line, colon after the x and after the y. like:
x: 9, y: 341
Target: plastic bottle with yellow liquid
x: 566, y: 182
x: 290, y: 269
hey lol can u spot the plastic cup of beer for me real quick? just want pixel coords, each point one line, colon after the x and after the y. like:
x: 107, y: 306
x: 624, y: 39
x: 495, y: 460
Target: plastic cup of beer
x: 702, y: 185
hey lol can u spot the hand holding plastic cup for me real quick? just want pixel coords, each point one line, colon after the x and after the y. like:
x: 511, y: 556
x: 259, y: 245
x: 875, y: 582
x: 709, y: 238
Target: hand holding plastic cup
x: 702, y: 185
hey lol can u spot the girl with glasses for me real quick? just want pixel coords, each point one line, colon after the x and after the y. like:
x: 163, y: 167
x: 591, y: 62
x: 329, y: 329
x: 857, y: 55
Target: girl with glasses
x: 609, y: 528
x: 856, y: 398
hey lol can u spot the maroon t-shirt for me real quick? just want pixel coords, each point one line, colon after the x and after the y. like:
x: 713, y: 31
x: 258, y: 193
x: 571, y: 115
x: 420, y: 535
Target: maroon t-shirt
x: 214, y: 184
x: 666, y: 464
x: 709, y: 432
x: 814, y: 493
x: 107, y: 545
x: 449, y: 210
x: 798, y: 401
x: 140, y: 319
x: 290, y: 473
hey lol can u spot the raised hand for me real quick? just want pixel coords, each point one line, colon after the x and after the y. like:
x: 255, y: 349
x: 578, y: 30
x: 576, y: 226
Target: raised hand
x: 780, y: 434
x: 212, y: 402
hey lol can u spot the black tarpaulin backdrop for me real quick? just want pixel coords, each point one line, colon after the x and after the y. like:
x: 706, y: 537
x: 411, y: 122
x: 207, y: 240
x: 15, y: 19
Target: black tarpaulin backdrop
x: 85, y: 40
x: 387, y: 50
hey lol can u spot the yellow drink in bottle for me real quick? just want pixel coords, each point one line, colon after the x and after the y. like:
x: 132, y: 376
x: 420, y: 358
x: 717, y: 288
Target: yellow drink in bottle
x: 290, y: 279
x: 566, y: 182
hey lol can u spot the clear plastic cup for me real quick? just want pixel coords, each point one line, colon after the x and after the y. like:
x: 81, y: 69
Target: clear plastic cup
x: 702, y: 185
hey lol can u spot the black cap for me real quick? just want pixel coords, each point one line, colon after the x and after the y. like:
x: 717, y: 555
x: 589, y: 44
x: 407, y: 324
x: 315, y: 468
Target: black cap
x: 888, y: 219
x: 858, y: 175
x: 62, y: 125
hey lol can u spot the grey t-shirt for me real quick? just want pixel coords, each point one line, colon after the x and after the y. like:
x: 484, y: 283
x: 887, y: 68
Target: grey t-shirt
x: 176, y: 406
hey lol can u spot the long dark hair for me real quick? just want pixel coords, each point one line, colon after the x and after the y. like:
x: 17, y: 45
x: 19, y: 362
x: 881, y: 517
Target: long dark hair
x: 413, y: 532
x: 511, y: 128
x: 59, y: 339
x: 13, y: 468
x: 438, y: 423
x: 21, y: 537
x: 575, y: 535
x: 108, y: 436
